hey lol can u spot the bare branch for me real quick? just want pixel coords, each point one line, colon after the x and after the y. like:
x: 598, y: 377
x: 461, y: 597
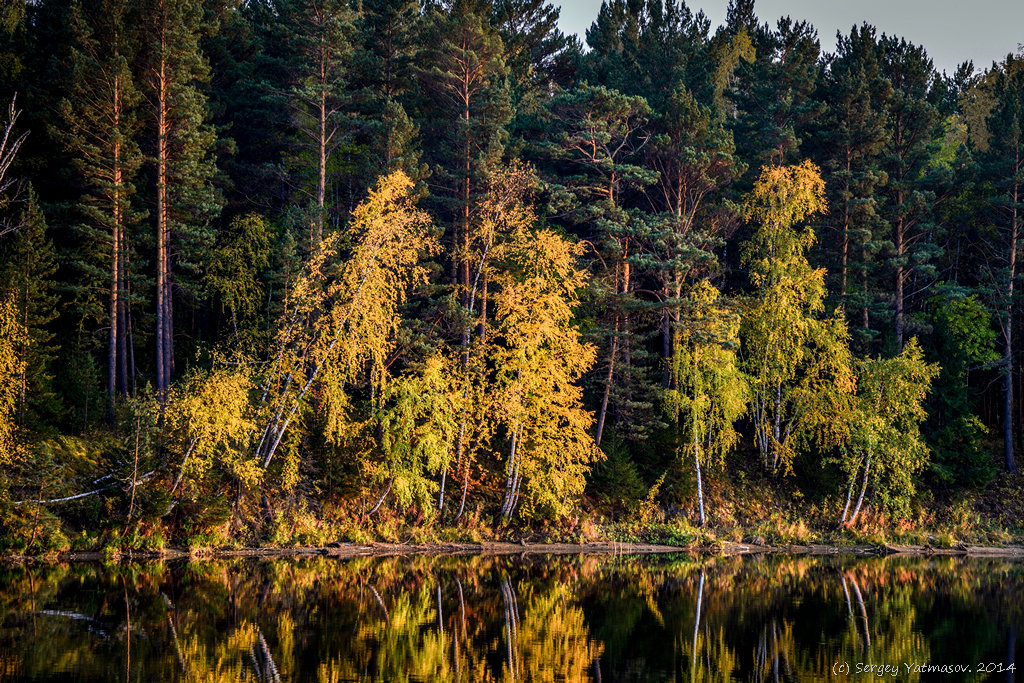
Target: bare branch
x: 10, y: 188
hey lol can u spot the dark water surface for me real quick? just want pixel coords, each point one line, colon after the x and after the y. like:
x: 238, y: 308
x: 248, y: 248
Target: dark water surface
x: 535, y: 618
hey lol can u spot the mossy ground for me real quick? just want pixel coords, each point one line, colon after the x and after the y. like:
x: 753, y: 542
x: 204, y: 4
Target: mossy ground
x: 759, y: 510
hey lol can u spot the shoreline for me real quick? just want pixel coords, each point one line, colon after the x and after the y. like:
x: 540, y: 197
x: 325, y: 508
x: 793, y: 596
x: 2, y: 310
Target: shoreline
x: 353, y: 550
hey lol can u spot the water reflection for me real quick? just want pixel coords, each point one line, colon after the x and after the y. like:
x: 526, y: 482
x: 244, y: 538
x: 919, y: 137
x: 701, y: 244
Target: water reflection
x: 588, y: 618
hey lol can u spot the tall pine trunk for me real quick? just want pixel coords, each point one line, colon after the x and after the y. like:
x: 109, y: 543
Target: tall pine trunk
x: 900, y: 246
x: 1010, y: 461
x: 163, y: 322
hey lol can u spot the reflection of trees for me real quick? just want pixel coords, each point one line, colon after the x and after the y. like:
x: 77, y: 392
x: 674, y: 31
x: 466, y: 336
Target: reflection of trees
x: 502, y: 619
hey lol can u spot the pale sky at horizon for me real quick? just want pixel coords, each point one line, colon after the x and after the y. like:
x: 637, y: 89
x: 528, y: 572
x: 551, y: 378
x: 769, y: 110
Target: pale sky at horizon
x: 952, y: 31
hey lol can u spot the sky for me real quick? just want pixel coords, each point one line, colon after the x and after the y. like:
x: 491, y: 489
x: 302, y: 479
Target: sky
x: 952, y: 31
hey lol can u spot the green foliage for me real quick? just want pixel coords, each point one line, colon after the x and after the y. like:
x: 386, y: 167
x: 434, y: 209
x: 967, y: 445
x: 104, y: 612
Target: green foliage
x: 798, y: 361
x: 711, y: 392
x: 964, y: 342
x: 616, y: 483
x: 27, y: 278
x: 418, y: 428
x: 885, y: 437
x: 237, y: 265
x: 394, y: 308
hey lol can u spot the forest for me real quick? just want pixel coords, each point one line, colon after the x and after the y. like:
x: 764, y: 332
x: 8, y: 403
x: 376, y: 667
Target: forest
x: 286, y: 272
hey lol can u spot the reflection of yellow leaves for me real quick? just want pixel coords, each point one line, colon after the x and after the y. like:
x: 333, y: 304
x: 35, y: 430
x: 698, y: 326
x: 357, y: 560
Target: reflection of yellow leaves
x: 319, y: 620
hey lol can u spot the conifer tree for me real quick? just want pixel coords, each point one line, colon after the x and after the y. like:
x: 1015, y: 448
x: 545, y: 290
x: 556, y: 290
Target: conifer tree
x: 182, y: 145
x: 384, y: 68
x: 466, y: 72
x: 658, y: 49
x: 384, y: 60
x: 312, y: 42
x: 850, y: 140
x: 533, y: 43
x: 774, y: 93
x: 650, y: 48
x: 99, y: 128
x: 599, y: 134
x: 913, y: 128
x: 695, y: 158
x: 1003, y: 166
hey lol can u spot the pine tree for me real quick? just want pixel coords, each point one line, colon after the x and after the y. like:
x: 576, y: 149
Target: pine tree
x: 533, y: 42
x: 384, y: 61
x: 1004, y: 168
x: 384, y: 70
x: 312, y: 42
x: 913, y: 128
x: 850, y: 139
x: 182, y: 147
x: 658, y: 49
x: 466, y: 72
x: 695, y: 158
x: 774, y: 93
x: 99, y: 128
x: 650, y: 48
x: 599, y: 135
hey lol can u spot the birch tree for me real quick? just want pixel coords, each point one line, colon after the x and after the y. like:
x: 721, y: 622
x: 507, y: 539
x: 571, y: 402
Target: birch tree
x: 798, y: 360
x: 355, y: 296
x: 711, y: 392
x: 885, y: 444
x: 539, y: 358
x: 11, y: 186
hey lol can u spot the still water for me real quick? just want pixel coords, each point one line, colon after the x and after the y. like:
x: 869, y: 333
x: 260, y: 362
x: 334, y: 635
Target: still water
x: 531, y: 618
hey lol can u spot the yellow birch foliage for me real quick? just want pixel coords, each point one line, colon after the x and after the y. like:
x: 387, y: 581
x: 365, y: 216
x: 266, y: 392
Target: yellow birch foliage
x: 539, y: 357
x: 12, y: 336
x: 342, y: 316
x: 209, y: 420
x: 798, y: 360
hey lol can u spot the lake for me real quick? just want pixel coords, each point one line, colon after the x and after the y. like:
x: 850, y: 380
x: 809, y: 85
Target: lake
x: 515, y: 618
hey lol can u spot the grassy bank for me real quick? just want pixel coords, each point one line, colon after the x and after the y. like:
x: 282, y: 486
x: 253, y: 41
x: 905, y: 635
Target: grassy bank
x: 751, y: 508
